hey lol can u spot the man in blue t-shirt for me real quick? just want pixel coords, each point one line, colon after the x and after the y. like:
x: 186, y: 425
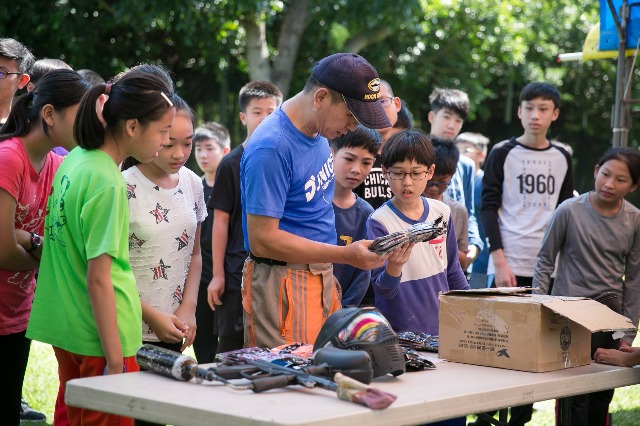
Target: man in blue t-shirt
x: 286, y: 179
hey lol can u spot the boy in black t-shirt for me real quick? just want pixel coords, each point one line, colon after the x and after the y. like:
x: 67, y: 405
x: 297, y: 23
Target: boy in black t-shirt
x: 257, y: 100
x: 211, y: 142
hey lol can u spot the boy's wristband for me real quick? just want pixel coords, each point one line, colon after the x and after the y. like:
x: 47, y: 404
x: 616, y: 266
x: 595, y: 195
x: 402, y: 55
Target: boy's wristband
x: 104, y: 372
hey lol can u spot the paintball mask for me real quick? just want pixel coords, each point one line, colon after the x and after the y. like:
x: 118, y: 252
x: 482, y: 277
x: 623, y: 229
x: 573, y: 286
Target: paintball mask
x: 364, y: 329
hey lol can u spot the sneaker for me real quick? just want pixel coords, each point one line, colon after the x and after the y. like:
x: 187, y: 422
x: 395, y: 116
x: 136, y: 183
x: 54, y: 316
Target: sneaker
x: 28, y: 414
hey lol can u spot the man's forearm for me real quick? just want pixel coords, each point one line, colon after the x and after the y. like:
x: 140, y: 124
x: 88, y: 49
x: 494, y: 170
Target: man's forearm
x: 287, y: 247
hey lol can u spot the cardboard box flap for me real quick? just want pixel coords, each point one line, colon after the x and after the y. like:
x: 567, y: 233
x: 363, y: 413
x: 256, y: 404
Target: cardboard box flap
x: 592, y: 315
x: 520, y: 331
x: 501, y: 291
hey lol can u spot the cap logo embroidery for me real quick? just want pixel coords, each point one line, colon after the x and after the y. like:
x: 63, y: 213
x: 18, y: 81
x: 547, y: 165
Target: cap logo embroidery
x: 374, y: 85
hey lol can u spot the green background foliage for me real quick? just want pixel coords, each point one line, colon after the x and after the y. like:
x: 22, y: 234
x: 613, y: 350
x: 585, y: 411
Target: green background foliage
x: 489, y: 49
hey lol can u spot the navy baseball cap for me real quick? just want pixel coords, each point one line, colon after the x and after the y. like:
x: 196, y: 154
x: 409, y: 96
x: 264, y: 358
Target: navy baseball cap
x: 358, y: 82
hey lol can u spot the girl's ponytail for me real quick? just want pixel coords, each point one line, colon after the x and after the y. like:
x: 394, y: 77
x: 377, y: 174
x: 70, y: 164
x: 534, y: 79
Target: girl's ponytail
x: 88, y: 130
x: 140, y: 93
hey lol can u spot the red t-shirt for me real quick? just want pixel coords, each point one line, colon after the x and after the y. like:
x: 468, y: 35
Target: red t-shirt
x: 31, y: 190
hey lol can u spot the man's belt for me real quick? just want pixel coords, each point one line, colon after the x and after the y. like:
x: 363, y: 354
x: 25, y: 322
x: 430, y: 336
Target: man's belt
x: 267, y: 261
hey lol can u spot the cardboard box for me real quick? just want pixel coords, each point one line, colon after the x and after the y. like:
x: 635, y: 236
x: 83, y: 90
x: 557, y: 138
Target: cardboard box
x: 510, y: 328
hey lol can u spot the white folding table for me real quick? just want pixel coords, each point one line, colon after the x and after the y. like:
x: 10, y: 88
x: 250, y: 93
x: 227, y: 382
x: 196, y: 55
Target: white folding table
x: 451, y: 390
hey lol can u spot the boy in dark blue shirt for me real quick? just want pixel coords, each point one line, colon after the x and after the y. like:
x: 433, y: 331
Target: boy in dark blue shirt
x: 353, y: 157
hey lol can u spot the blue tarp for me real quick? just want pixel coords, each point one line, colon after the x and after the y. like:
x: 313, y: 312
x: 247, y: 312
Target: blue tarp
x: 609, y: 33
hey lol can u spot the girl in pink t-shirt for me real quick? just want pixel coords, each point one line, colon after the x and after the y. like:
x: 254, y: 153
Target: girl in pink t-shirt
x: 39, y: 121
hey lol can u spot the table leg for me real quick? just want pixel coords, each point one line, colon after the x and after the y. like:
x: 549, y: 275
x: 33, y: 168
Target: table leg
x: 500, y: 421
x: 502, y: 415
x: 564, y: 411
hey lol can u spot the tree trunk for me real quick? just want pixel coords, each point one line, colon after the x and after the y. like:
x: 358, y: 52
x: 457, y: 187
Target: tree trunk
x: 508, y: 102
x: 257, y: 49
x: 358, y: 42
x: 293, y: 27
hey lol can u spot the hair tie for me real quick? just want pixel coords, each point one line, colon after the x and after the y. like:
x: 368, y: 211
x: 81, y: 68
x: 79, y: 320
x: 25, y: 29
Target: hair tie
x: 107, y: 90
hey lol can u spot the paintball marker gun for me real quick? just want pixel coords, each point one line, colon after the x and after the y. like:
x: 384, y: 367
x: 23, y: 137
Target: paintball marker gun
x: 260, y: 376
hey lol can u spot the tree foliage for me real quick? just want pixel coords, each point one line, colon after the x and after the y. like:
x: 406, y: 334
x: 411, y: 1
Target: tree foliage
x: 212, y: 47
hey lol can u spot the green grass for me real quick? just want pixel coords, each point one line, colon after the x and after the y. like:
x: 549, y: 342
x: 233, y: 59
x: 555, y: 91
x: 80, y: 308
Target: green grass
x: 41, y: 380
x: 41, y: 387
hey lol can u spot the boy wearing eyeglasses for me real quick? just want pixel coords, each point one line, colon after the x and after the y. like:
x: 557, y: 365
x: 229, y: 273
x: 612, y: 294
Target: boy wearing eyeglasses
x: 447, y: 156
x: 15, y: 61
x: 392, y: 106
x: 407, y: 286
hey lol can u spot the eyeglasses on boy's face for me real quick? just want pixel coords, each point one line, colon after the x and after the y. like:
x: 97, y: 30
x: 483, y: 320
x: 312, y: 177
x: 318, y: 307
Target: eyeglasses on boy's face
x: 4, y: 74
x: 401, y: 175
x: 439, y: 184
x: 386, y: 101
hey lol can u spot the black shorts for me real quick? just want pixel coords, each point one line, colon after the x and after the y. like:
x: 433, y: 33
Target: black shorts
x: 229, y: 315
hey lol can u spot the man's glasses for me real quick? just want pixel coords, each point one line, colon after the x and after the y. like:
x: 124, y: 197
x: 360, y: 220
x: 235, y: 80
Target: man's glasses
x: 439, y: 184
x: 402, y: 175
x: 386, y: 101
x: 5, y: 74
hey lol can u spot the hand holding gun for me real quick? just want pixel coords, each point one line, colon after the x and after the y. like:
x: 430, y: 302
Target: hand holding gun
x: 419, y: 232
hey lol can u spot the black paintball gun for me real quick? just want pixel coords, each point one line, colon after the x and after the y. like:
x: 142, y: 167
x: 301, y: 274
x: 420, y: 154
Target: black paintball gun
x: 327, y: 361
x: 261, y: 376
